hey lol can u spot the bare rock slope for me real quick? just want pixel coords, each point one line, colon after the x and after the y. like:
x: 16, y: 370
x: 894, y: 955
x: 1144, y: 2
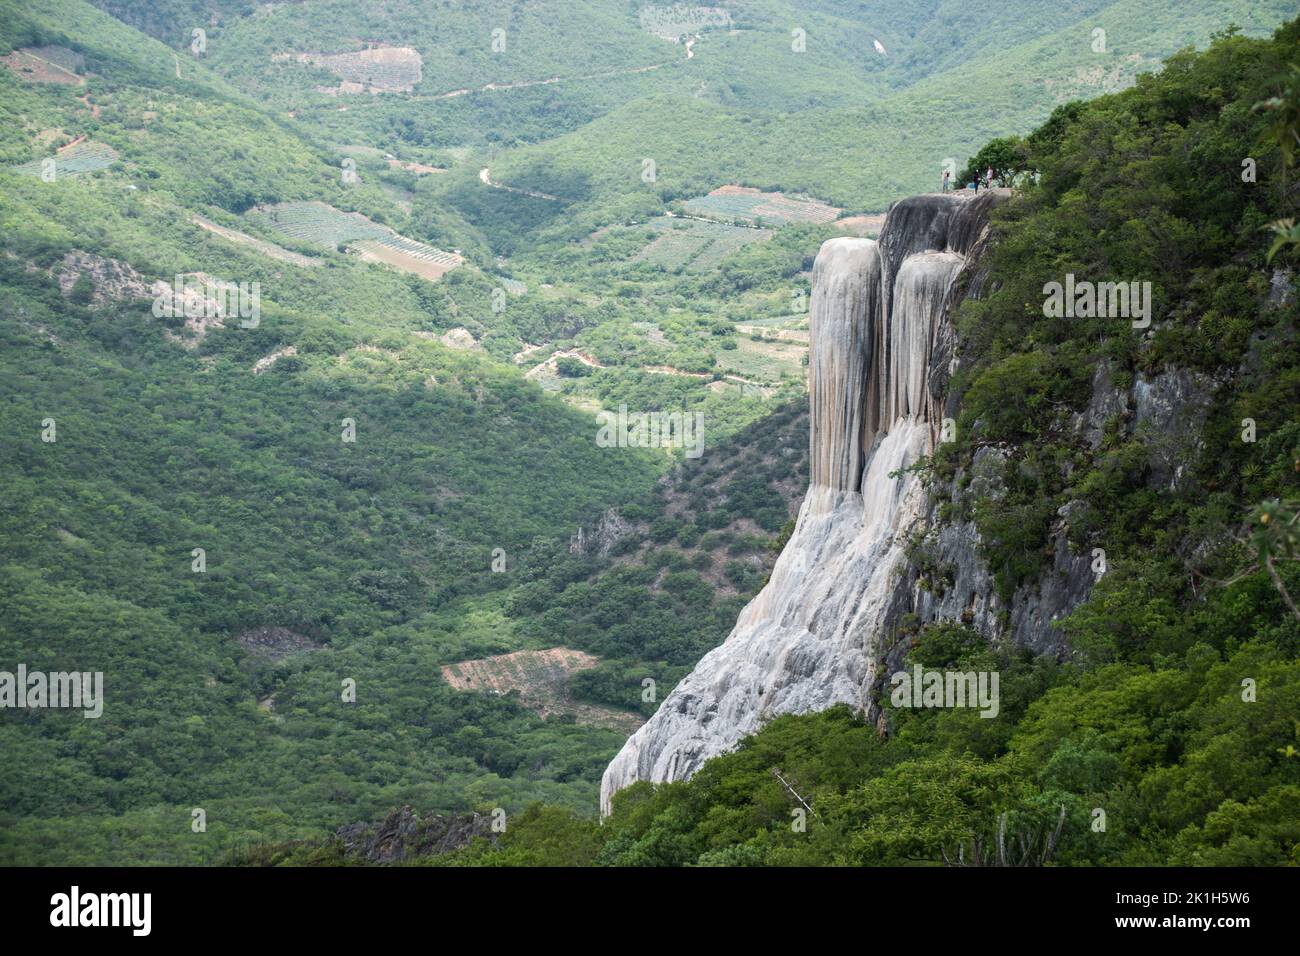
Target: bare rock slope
x: 881, y: 351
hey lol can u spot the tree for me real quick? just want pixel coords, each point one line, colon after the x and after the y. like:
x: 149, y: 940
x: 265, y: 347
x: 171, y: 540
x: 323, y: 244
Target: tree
x: 1009, y: 158
x: 569, y: 367
x: 1284, y: 130
x: 1275, y: 536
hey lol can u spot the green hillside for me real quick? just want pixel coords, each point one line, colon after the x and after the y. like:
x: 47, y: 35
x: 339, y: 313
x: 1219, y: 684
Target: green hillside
x: 330, y: 564
x: 1168, y: 735
x: 865, y: 156
x: 368, y: 561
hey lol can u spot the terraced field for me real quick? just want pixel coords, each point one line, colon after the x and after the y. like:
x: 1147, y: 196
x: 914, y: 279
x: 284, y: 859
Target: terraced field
x: 672, y: 249
x: 316, y: 223
x: 674, y: 22
x: 751, y: 205
x: 723, y: 242
x: 320, y: 224
x: 266, y: 248
x: 791, y: 328
x: 46, y: 64
x: 765, y: 361
x: 694, y: 245
x: 408, y: 255
x: 74, y: 160
x: 376, y: 70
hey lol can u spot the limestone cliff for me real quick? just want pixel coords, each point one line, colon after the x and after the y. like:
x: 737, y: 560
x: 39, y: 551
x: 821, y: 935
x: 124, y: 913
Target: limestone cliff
x: 882, y: 348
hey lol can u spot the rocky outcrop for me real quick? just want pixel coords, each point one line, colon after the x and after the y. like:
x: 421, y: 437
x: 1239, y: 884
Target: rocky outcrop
x: 275, y: 643
x: 1108, y: 403
x: 881, y: 349
x: 404, y: 835
x: 111, y: 279
x: 1169, y: 411
x: 610, y: 528
x: 1165, y: 412
x: 874, y: 555
x: 459, y: 338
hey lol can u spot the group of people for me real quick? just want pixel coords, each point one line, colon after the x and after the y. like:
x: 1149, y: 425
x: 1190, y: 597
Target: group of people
x: 987, y: 178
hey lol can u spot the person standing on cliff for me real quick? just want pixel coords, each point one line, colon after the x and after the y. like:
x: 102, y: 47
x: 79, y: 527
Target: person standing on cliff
x: 988, y: 178
x: 946, y: 176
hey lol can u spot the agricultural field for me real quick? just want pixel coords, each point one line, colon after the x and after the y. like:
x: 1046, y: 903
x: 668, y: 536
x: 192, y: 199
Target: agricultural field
x: 541, y: 679
x: 408, y: 255
x: 765, y: 361
x: 269, y: 249
x: 316, y: 223
x: 320, y: 224
x: 723, y: 242
x: 674, y: 22
x: 74, y: 159
x: 694, y: 245
x: 46, y: 64
x: 671, y: 249
x: 420, y: 169
x: 791, y: 328
x: 732, y: 203
x: 376, y: 70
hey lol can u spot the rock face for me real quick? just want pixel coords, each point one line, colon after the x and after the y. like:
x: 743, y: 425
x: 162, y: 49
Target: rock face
x: 609, y: 530
x: 404, y: 835
x: 275, y: 643
x: 880, y: 351
x: 112, y: 279
x: 1169, y: 411
x: 872, y: 556
x: 1165, y: 412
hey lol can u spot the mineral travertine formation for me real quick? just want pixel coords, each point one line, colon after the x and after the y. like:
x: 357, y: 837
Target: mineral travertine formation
x: 878, y: 360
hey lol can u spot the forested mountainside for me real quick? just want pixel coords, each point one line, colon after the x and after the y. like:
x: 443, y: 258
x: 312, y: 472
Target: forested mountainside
x: 569, y: 99
x: 1161, y: 726
x: 384, y: 473
x: 362, y: 549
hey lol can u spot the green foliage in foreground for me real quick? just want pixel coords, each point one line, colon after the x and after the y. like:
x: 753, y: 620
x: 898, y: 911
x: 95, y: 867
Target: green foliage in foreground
x: 1171, y: 761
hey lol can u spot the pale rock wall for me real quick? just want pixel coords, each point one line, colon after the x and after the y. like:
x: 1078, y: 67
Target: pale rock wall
x: 881, y: 349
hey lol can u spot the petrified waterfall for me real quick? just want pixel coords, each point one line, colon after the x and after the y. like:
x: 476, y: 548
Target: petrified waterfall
x: 809, y: 639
